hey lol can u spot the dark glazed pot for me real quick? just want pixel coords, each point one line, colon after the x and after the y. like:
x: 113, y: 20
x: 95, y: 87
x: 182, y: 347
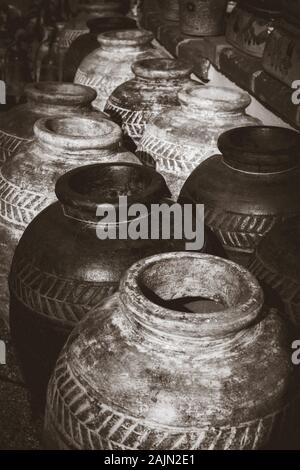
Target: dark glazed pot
x: 251, y: 23
x: 250, y: 188
x: 153, y: 90
x: 203, y: 17
x: 43, y: 100
x: 27, y: 180
x: 276, y: 264
x: 205, y: 378
x: 88, y: 42
x: 110, y: 65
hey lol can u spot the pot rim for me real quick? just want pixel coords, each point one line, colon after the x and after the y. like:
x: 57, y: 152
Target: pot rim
x: 55, y: 93
x: 162, y: 68
x: 125, y: 38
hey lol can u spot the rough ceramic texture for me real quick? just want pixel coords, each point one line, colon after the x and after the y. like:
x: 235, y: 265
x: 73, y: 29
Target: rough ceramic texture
x: 178, y: 140
x: 277, y: 265
x: 252, y: 186
x: 88, y: 42
x: 282, y: 52
x: 43, y: 100
x: 110, y: 65
x: 170, y: 380
x: 251, y: 23
x: 170, y: 10
x: 27, y: 180
x: 153, y: 90
x: 203, y: 17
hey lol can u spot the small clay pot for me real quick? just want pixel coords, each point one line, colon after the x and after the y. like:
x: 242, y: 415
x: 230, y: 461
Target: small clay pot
x: 202, y: 17
x: 170, y: 10
x: 251, y: 23
x: 88, y: 42
x: 199, y: 371
x: 43, y: 100
x: 153, y: 90
x: 110, y: 65
x: 250, y: 188
x: 179, y: 139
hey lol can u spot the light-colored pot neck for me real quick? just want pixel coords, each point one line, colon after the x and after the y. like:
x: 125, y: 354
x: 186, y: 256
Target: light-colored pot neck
x: 125, y: 40
x: 183, y: 275
x: 162, y: 70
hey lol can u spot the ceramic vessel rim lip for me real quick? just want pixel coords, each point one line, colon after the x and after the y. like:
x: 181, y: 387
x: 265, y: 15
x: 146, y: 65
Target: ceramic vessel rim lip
x: 112, y: 135
x: 156, y: 190
x: 224, y: 322
x: 158, y: 68
x: 289, y: 154
x: 208, y: 97
x: 95, y: 23
x: 56, y: 93
x: 135, y: 37
x: 260, y: 10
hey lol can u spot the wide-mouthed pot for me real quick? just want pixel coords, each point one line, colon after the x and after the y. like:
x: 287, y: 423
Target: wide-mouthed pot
x: 203, y: 17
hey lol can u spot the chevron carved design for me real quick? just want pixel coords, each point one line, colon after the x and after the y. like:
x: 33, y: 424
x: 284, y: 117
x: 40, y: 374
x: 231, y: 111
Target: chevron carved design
x: 9, y: 145
x: 133, y: 122
x: 69, y: 37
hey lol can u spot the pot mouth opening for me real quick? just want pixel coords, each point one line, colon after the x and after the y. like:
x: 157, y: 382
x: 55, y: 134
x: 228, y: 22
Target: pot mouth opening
x: 96, y: 25
x: 162, y: 69
x: 265, y: 148
x: 225, y: 297
x: 125, y: 38
x: 60, y: 93
x: 210, y: 98
x: 103, y: 184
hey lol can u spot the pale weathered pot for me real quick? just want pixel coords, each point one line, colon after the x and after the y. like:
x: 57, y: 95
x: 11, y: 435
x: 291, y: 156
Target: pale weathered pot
x: 88, y: 42
x: 251, y: 23
x: 178, y: 140
x: 110, y: 65
x: 43, y: 100
x: 170, y: 10
x: 276, y: 264
x: 282, y: 52
x: 250, y: 188
x: 27, y: 180
x: 153, y: 90
x: 165, y: 379
x: 202, y: 17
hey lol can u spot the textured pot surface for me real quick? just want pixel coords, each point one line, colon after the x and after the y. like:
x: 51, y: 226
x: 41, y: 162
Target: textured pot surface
x: 28, y: 179
x: 253, y: 186
x: 172, y: 380
x: 277, y: 265
x: 251, y: 23
x: 170, y: 10
x: 153, y: 90
x: 43, y: 100
x: 110, y: 65
x: 88, y: 42
x: 203, y: 17
x: 178, y: 140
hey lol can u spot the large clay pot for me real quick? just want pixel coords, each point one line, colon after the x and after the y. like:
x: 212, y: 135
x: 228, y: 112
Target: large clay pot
x: 170, y: 10
x: 250, y: 188
x: 203, y: 17
x: 178, y: 140
x: 167, y: 379
x: 251, y: 23
x: 110, y: 65
x: 88, y: 42
x: 43, y: 100
x: 276, y: 264
x: 27, y: 180
x: 153, y: 90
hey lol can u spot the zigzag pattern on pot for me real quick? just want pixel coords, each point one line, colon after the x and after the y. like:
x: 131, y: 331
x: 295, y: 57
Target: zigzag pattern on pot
x: 19, y: 206
x: 170, y: 157
x: 9, y: 144
x: 66, y: 300
x: 69, y: 36
x: 104, y: 85
x: 133, y: 122
x: 94, y: 425
x: 288, y: 289
x: 239, y: 230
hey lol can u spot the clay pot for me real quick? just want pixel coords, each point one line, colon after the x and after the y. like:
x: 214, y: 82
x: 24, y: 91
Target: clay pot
x: 153, y: 90
x: 171, y: 379
x: 27, y: 180
x: 250, y: 188
x: 250, y: 24
x: 88, y: 42
x: 110, y: 65
x: 282, y: 52
x: 170, y: 10
x: 43, y: 100
x: 277, y: 266
x: 203, y: 17
x: 178, y: 140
